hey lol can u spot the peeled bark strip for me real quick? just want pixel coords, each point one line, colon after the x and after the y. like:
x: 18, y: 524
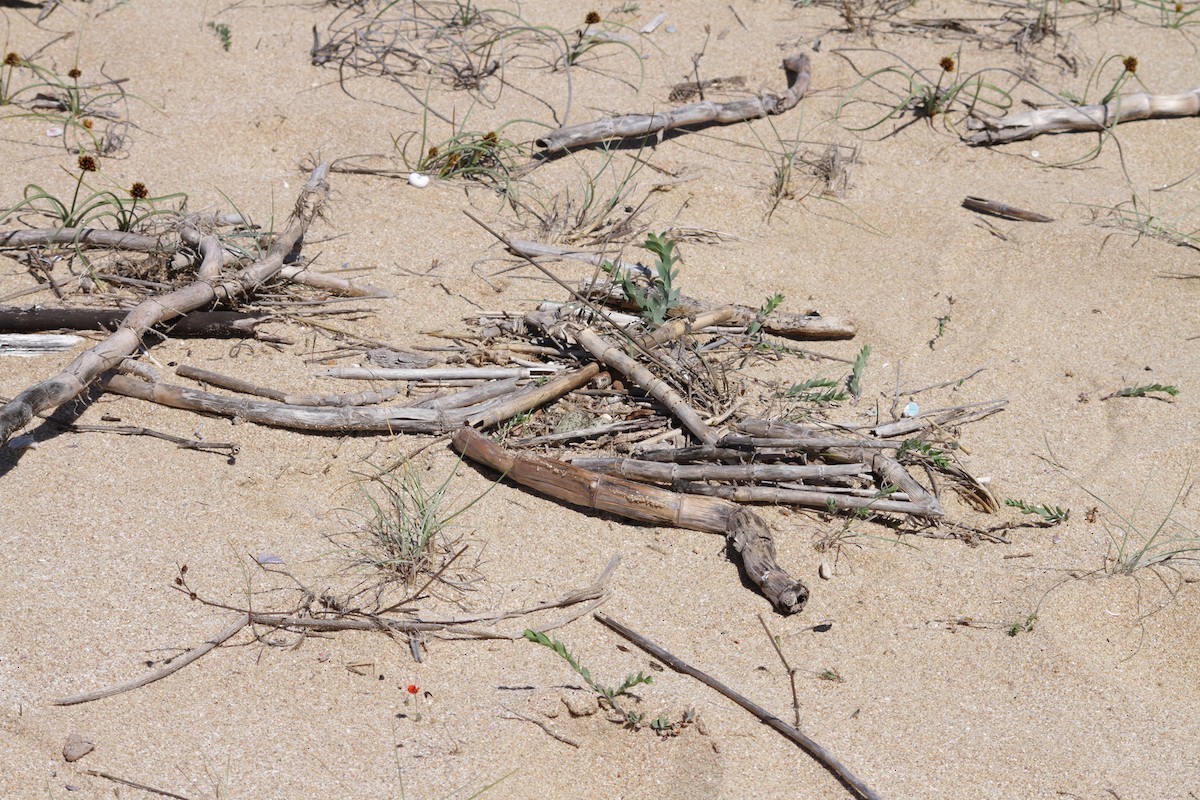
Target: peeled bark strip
x: 90, y: 364
x: 640, y: 125
x: 1098, y: 117
x: 745, y: 530
x: 92, y: 237
x: 669, y: 473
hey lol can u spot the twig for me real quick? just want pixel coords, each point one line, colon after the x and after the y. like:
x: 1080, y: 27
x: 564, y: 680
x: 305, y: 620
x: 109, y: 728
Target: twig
x: 222, y: 448
x: 790, y: 671
x: 176, y: 664
x: 134, y: 784
x: 549, y: 731
x: 823, y: 756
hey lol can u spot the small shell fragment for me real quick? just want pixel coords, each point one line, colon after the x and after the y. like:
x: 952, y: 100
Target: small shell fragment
x: 825, y: 571
x: 53, y: 131
x: 911, y: 410
x: 418, y: 180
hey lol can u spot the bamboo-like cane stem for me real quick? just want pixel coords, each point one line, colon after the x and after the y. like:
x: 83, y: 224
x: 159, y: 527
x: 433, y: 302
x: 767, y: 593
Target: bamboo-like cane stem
x: 745, y: 531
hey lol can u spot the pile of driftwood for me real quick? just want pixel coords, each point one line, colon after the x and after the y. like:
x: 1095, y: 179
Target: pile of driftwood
x: 684, y: 442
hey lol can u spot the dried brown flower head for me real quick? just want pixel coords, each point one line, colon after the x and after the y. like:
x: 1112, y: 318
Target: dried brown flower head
x: 1178, y: 8
x: 489, y: 139
x: 138, y: 191
x: 947, y: 64
x: 88, y: 164
x: 87, y: 123
x: 74, y: 73
x: 1130, y: 64
x: 592, y: 18
x: 433, y: 152
x: 12, y: 60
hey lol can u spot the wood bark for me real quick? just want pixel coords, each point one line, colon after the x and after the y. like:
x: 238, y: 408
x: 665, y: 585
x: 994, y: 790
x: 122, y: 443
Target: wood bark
x: 705, y: 112
x: 1097, y: 117
x: 90, y: 364
x: 745, y: 531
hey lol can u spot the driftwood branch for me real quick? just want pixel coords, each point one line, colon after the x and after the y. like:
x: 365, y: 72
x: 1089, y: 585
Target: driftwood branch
x: 1098, y: 117
x: 823, y: 756
x: 702, y: 113
x: 745, y: 531
x: 594, y: 595
x: 197, y: 324
x: 90, y: 364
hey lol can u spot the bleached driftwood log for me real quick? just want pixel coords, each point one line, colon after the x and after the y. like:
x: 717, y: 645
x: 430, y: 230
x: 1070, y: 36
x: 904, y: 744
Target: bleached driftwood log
x: 639, y: 125
x: 90, y: 364
x: 1098, y: 117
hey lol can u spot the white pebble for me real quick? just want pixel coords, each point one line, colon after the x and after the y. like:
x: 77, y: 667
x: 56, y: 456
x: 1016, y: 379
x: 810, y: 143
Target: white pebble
x: 54, y: 131
x: 825, y: 571
x: 418, y: 180
x: 911, y: 410
x: 1036, y: 154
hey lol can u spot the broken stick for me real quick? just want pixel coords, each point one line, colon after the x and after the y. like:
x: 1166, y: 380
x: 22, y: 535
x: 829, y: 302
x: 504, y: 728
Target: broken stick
x: 705, y: 112
x: 1098, y: 117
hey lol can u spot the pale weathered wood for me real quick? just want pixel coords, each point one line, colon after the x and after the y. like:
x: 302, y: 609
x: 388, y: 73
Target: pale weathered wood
x: 705, y: 112
x: 745, y: 531
x: 1097, y: 117
x: 90, y: 364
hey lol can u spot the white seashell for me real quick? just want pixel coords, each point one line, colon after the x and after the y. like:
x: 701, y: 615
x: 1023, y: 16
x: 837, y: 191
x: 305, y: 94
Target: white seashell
x: 54, y: 131
x: 418, y: 180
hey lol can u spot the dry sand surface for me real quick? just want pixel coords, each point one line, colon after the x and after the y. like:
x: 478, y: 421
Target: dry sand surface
x: 1098, y: 696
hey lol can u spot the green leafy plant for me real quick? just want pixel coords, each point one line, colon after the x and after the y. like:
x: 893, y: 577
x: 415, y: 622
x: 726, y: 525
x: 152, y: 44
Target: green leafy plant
x: 924, y: 450
x: 223, y: 33
x: 656, y: 301
x: 1051, y: 515
x: 854, y: 383
x: 1025, y: 626
x: 768, y: 307
x: 607, y: 694
x: 1148, y: 390
x: 817, y: 390
x: 831, y: 675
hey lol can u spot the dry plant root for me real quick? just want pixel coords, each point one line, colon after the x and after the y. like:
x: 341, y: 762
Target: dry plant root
x: 745, y: 531
x: 90, y: 364
x: 639, y: 125
x: 1098, y: 117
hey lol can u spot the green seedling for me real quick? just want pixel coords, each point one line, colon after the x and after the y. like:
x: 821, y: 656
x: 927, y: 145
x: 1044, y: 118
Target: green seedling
x: 1149, y: 390
x: 817, y: 390
x: 1023, y: 627
x: 1051, y: 515
x: 923, y: 450
x: 607, y: 694
x: 656, y: 301
x: 854, y: 383
x: 773, y: 302
x: 223, y: 33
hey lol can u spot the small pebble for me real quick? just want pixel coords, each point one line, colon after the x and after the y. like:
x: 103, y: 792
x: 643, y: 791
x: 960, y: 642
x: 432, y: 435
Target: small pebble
x: 418, y: 180
x: 825, y: 571
x: 911, y: 410
x: 1036, y: 154
x: 54, y: 131
x: 76, y: 748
